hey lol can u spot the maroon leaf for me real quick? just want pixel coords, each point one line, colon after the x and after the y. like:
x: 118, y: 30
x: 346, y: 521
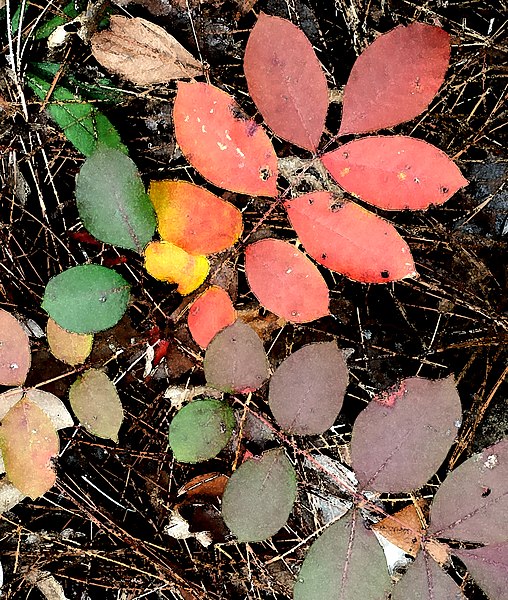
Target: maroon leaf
x: 307, y: 390
x: 349, y: 239
x: 286, y: 81
x: 235, y: 360
x: 339, y: 560
x: 425, y: 580
x: 14, y: 350
x: 489, y: 568
x: 285, y: 281
x: 395, y: 78
x: 395, y: 172
x: 472, y: 503
x: 403, y: 436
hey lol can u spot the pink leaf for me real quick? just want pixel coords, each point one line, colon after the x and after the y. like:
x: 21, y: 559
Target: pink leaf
x: 419, y: 419
x: 285, y: 281
x: 395, y: 78
x: 286, y: 81
x: 229, y: 150
x: 349, y: 239
x: 488, y: 567
x: 209, y: 314
x: 395, y: 172
x: 14, y: 350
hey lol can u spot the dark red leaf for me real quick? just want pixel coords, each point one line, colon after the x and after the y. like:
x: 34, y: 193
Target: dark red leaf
x: 395, y: 172
x: 307, y: 390
x: 401, y: 438
x: 285, y: 281
x: 286, y: 81
x: 395, y: 78
x: 488, y: 567
x: 231, y: 151
x: 349, y: 239
x: 472, y: 503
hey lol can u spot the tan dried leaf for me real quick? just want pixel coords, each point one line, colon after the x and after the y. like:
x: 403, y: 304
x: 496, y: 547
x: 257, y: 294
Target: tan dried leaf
x: 392, y: 528
x: 142, y: 52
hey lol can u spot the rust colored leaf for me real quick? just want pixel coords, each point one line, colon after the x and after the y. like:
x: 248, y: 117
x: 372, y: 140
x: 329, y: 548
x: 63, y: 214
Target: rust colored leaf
x: 489, y: 568
x: 228, y: 149
x: 209, y: 314
x: 209, y: 484
x: 285, y: 281
x: 395, y: 172
x: 14, y: 350
x: 29, y: 441
x: 307, y: 390
x: 193, y: 218
x: 395, y: 78
x: 402, y: 528
x: 349, y: 239
x: 286, y: 81
x: 143, y: 52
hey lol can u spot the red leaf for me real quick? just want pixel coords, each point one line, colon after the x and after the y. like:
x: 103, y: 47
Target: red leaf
x: 395, y: 172
x: 231, y: 151
x: 349, y: 239
x: 489, y: 567
x: 395, y: 78
x: 209, y: 314
x: 421, y: 419
x: 285, y: 281
x: 286, y: 81
x: 14, y: 350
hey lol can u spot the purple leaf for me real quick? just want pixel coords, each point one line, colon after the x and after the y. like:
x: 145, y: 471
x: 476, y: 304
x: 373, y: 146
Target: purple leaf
x: 425, y: 580
x: 307, y: 390
x: 337, y: 563
x: 489, y: 568
x: 403, y: 435
x: 472, y: 503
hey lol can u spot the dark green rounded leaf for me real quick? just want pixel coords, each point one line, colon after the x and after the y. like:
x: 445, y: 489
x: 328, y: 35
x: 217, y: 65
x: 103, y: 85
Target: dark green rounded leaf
x: 200, y: 430
x: 260, y: 496
x: 112, y: 202
x: 86, y: 299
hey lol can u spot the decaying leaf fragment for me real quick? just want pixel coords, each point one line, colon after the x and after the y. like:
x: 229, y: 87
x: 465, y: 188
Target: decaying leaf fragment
x: 142, y: 52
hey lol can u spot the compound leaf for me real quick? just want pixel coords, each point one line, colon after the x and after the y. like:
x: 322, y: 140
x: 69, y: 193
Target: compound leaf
x: 96, y: 404
x: 286, y: 81
x: 209, y: 314
x: 112, y: 202
x: 285, y: 281
x: 349, y: 239
x: 235, y: 360
x: 307, y: 390
x: 71, y: 348
x: 15, y: 354
x: 395, y: 172
x: 395, y: 78
x: 200, y: 430
x: 404, y: 435
x: 86, y: 299
x: 259, y: 496
x: 336, y: 564
x: 489, y: 568
x: 193, y: 218
x: 469, y: 504
x: 229, y: 150
x: 425, y: 580
x: 29, y: 441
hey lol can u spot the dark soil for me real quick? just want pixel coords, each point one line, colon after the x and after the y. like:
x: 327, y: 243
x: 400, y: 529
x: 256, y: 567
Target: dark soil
x: 100, y: 531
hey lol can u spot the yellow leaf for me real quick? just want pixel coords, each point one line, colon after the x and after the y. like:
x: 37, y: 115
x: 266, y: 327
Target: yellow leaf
x: 170, y: 263
x: 72, y: 348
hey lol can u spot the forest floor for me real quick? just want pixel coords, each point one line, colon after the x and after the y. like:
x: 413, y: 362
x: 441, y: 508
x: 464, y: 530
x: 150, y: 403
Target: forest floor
x: 101, y: 530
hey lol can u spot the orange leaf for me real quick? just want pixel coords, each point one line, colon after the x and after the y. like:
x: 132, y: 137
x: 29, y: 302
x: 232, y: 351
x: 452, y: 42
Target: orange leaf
x: 229, y: 150
x: 349, y: 239
x: 403, y: 527
x: 170, y: 263
x: 193, y: 218
x: 285, y: 281
x: 395, y: 172
x: 209, y: 314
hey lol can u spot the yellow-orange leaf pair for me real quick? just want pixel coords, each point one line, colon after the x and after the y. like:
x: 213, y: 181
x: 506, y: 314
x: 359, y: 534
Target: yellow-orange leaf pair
x: 192, y: 222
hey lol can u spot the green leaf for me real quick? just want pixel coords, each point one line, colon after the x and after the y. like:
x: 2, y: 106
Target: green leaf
x: 112, y: 202
x: 47, y: 28
x: 200, y: 430
x: 83, y: 125
x: 259, y: 496
x: 96, y: 404
x: 86, y: 299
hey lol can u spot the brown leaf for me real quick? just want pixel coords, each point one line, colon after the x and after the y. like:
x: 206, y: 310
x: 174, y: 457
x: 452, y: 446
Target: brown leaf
x: 142, y: 52
x: 392, y: 528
